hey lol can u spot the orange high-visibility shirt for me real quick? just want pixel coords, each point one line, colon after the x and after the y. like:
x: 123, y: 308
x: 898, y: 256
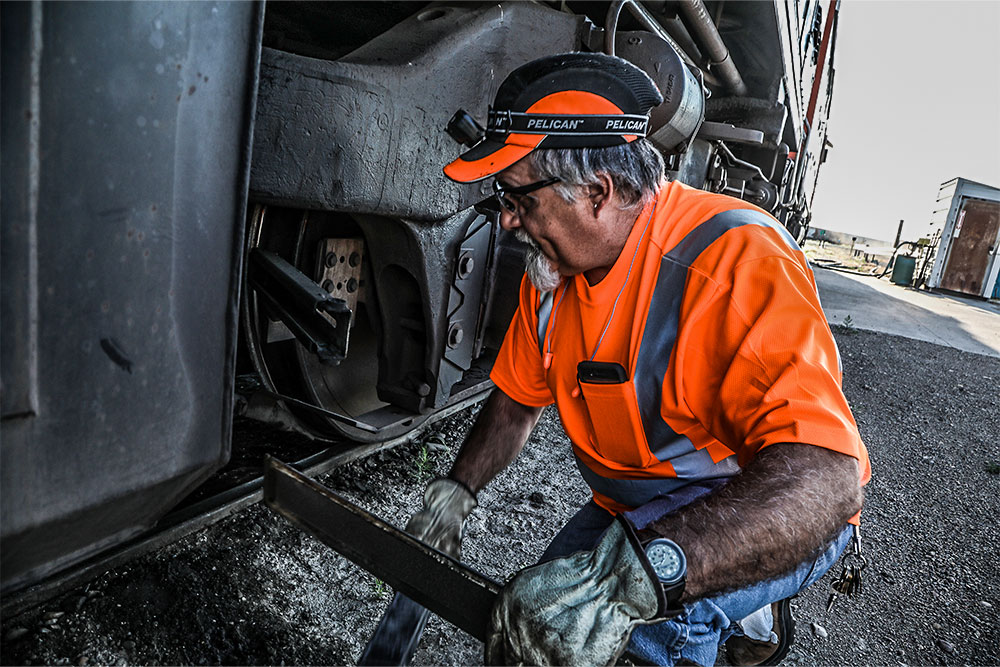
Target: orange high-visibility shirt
x: 713, y: 311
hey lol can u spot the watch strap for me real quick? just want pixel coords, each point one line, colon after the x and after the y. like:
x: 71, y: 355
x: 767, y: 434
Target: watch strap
x: 671, y: 594
x: 662, y: 610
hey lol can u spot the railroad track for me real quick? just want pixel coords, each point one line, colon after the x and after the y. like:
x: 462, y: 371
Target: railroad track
x: 207, y: 509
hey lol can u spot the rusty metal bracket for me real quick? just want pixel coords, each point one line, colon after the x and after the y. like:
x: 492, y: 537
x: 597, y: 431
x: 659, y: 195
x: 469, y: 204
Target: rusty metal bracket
x: 455, y: 592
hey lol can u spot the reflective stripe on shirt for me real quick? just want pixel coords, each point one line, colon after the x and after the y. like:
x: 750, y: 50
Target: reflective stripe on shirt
x: 657, y: 343
x: 544, y: 312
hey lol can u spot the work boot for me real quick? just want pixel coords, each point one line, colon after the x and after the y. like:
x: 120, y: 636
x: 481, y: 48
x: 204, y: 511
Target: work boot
x: 741, y: 650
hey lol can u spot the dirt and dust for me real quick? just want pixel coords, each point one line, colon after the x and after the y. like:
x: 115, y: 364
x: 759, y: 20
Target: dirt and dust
x: 254, y: 590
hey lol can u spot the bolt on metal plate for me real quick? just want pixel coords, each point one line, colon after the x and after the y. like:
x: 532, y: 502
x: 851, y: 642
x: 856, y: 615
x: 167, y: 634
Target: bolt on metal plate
x: 338, y: 269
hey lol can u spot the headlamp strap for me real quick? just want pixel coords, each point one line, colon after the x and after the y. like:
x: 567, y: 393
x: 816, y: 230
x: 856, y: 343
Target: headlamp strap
x: 504, y: 122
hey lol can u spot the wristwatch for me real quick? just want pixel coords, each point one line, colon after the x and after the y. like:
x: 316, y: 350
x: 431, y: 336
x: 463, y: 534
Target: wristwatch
x: 670, y: 566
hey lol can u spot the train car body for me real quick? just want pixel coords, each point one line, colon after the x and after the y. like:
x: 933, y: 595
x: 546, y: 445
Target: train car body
x: 191, y: 186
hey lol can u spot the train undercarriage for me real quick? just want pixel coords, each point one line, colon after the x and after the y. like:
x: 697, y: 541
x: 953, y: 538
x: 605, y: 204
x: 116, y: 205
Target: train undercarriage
x: 193, y: 192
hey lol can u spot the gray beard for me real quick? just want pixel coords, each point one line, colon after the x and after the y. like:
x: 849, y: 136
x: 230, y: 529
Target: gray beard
x: 537, y: 265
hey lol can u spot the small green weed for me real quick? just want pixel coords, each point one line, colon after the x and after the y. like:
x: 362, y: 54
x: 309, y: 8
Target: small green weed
x: 423, y: 465
x: 992, y: 467
x: 847, y: 326
x: 380, y: 588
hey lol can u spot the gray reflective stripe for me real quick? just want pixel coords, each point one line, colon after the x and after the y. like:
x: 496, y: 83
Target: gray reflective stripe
x: 653, y: 358
x: 699, y: 462
x: 631, y: 492
x: 660, y: 331
x: 544, y: 312
x: 695, y: 466
x: 679, y: 446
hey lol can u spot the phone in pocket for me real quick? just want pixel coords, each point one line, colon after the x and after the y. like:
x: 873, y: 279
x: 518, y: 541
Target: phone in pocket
x: 601, y: 372
x: 614, y: 412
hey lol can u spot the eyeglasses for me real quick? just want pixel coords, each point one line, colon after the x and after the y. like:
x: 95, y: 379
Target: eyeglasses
x: 499, y: 199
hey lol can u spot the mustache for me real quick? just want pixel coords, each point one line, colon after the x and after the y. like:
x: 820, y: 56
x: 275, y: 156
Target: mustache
x: 537, y: 265
x: 525, y: 237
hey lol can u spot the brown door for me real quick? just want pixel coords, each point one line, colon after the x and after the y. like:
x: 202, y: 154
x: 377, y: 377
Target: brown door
x: 971, y: 244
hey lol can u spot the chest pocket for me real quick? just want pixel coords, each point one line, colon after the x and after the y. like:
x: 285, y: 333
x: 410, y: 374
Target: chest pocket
x: 614, y: 414
x: 613, y: 408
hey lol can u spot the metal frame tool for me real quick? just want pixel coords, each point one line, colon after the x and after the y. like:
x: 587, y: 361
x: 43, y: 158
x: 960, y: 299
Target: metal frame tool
x: 455, y: 592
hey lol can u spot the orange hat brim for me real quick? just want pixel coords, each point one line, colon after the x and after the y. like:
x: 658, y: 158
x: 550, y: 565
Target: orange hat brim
x: 491, y: 157
x: 466, y: 170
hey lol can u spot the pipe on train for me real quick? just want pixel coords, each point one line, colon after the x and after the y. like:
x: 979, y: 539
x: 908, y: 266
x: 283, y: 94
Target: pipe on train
x: 708, y: 36
x: 644, y: 17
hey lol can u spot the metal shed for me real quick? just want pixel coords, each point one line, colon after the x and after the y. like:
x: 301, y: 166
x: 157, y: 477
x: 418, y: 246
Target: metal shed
x: 968, y: 258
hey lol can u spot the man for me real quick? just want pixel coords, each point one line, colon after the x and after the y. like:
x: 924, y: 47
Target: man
x: 680, y: 335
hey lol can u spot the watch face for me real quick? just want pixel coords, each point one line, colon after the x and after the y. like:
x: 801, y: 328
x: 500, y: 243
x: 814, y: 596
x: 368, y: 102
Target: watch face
x: 667, y: 560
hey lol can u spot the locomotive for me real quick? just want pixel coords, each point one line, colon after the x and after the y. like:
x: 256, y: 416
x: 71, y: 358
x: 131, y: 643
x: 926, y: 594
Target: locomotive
x: 194, y: 188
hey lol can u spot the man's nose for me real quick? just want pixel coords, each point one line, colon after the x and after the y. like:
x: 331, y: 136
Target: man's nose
x: 509, y: 220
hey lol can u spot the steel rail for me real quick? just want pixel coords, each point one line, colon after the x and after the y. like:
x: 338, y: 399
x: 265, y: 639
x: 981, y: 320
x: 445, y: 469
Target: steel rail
x: 189, y: 519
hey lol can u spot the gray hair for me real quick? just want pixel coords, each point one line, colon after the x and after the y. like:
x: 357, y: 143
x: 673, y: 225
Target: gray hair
x: 636, y: 169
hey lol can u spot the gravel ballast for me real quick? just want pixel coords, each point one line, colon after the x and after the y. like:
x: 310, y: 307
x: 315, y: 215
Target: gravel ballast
x: 254, y: 590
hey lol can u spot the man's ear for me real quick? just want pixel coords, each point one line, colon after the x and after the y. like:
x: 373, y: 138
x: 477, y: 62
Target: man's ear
x: 600, y: 193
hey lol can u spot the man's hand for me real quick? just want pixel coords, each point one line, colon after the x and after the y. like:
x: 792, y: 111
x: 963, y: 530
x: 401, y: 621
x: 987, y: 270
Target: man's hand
x: 441, y: 522
x: 578, y: 610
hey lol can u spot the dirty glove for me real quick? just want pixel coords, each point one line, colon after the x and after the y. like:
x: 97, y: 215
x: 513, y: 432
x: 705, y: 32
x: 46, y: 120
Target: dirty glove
x: 440, y: 523
x: 578, y: 610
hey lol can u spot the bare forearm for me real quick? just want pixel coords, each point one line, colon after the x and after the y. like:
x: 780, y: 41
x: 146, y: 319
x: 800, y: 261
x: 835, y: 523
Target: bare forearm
x: 501, y: 429
x: 785, y: 506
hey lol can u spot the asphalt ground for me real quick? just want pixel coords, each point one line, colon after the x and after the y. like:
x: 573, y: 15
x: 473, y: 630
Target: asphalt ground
x: 864, y: 302
x: 254, y: 590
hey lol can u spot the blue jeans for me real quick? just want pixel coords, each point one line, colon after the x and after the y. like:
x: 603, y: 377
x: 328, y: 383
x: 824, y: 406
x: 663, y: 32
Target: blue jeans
x: 707, y: 623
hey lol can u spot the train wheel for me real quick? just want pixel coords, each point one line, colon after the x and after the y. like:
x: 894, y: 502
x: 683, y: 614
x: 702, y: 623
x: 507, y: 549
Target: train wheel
x: 310, y: 240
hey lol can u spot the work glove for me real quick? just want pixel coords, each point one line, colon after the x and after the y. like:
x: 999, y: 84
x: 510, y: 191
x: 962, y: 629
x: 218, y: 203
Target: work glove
x: 578, y: 610
x: 441, y: 522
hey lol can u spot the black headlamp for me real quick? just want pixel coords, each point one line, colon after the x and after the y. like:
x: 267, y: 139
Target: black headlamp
x: 464, y: 129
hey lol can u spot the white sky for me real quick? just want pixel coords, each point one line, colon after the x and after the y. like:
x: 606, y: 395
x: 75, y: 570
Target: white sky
x: 916, y: 102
